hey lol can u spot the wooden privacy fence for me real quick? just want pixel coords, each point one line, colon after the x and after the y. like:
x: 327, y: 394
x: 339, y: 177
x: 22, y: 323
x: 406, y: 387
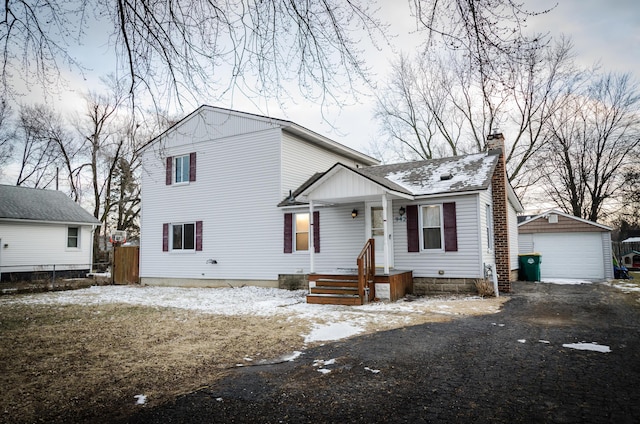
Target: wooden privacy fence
x: 126, y: 265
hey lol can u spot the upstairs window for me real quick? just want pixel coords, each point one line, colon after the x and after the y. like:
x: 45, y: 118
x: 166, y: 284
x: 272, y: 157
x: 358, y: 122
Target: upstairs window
x: 73, y: 237
x: 181, y: 169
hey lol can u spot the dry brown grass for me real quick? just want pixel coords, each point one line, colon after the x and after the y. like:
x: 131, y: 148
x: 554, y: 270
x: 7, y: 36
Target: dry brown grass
x: 86, y: 363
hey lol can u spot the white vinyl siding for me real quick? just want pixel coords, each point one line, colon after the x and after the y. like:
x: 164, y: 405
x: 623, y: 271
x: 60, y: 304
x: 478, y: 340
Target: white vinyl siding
x: 525, y: 244
x: 484, y: 198
x: 30, y: 244
x: 236, y: 198
x: 301, y: 159
x: 465, y: 263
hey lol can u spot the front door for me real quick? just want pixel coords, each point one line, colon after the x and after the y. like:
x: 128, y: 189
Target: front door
x: 375, y: 230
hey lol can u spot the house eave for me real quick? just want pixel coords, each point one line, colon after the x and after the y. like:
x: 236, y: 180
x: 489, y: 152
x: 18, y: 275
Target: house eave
x: 40, y: 221
x: 566, y: 215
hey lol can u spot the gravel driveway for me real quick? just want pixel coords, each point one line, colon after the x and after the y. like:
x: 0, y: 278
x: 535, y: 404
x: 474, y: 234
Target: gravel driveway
x: 527, y: 363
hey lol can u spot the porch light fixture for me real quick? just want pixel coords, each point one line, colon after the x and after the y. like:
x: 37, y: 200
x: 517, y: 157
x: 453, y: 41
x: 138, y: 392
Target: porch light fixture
x: 402, y: 211
x: 354, y: 213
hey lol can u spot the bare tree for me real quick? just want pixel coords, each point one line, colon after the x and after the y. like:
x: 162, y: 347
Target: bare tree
x: 47, y: 147
x: 438, y: 105
x: 591, y: 141
x: 179, y: 49
x: 7, y: 134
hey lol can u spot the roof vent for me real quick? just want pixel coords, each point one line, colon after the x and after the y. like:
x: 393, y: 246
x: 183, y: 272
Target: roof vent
x: 553, y: 219
x: 445, y: 177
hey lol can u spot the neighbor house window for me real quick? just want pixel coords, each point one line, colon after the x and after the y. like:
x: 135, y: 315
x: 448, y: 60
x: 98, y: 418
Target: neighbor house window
x: 431, y: 227
x: 73, y: 237
x: 183, y: 236
x: 489, y: 227
x: 302, y: 232
x: 181, y: 169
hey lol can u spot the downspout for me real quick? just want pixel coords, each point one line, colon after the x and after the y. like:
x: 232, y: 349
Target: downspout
x: 312, y: 248
x: 386, y: 233
x: 93, y: 228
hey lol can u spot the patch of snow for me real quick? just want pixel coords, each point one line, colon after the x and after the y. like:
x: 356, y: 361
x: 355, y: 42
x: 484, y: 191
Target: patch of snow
x: 140, y: 399
x: 219, y: 399
x: 564, y: 281
x: 626, y: 287
x: 588, y: 346
x: 522, y: 340
x: 371, y: 370
x: 544, y: 341
x: 333, y: 331
x: 292, y: 356
x: 324, y: 370
x: 321, y: 362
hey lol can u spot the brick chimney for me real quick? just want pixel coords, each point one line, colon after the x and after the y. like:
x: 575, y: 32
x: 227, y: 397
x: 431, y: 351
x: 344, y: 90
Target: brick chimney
x: 495, y: 146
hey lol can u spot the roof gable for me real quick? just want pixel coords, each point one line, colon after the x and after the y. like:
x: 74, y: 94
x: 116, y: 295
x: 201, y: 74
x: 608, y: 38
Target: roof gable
x: 22, y: 203
x: 211, y: 122
x: 565, y: 223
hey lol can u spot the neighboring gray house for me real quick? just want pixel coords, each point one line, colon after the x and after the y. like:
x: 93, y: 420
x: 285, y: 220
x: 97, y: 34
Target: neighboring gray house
x: 40, y: 230
x: 231, y: 198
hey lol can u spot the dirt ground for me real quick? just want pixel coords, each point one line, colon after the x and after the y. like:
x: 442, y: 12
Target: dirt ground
x: 87, y: 363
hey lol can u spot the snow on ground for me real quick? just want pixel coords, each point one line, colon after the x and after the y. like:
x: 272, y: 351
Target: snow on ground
x: 331, y: 322
x: 564, y: 281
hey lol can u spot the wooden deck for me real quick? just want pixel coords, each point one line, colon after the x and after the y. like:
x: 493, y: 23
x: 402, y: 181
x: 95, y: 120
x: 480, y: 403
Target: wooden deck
x: 340, y: 287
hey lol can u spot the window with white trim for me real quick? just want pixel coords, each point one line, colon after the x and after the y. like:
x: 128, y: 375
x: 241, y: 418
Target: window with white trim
x: 431, y: 221
x: 301, y: 231
x: 183, y: 236
x: 181, y: 169
x: 489, y: 227
x: 73, y: 237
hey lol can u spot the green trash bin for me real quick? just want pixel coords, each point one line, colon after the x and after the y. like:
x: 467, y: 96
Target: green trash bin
x: 529, y: 267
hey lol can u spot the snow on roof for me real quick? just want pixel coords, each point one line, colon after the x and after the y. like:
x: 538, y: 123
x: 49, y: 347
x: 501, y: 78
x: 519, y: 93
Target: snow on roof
x: 632, y: 240
x: 447, y: 175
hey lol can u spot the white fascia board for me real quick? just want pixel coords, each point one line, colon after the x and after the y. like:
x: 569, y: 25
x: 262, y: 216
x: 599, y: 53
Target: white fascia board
x: 35, y: 221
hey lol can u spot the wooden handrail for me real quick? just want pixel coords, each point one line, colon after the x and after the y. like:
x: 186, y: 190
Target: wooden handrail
x: 366, y: 271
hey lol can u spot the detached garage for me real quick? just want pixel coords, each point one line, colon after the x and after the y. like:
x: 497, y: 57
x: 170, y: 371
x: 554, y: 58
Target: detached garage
x: 571, y: 247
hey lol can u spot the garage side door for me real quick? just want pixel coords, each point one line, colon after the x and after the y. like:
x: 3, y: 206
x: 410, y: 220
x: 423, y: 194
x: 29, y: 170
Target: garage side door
x: 570, y: 255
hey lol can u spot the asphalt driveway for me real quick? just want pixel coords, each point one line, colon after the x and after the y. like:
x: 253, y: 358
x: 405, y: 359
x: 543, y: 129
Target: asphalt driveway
x: 509, y: 367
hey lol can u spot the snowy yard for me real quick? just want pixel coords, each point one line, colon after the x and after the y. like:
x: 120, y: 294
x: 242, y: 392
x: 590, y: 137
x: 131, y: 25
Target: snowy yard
x: 99, y: 353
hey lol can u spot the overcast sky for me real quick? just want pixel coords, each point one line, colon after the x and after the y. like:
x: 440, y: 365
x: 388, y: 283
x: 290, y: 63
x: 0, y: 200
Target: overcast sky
x: 606, y: 31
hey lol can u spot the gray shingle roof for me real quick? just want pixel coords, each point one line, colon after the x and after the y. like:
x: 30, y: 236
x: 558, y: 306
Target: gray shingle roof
x: 41, y: 205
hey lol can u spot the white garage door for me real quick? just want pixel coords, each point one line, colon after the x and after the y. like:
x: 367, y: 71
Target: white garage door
x: 570, y: 255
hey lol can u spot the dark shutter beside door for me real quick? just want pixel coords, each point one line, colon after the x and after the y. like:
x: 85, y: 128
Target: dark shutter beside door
x: 413, y: 232
x: 316, y: 232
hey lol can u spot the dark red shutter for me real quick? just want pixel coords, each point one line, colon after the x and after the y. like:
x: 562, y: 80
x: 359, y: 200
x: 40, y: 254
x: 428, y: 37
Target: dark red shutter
x: 198, y: 235
x: 288, y: 233
x: 316, y: 231
x: 192, y: 167
x: 165, y: 237
x: 450, y: 227
x: 169, y: 171
x: 413, y: 232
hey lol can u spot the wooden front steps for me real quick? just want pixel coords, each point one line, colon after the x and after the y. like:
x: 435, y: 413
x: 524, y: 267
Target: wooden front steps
x: 334, y: 289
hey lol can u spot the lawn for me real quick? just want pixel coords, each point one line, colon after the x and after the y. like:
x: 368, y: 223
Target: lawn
x: 81, y: 356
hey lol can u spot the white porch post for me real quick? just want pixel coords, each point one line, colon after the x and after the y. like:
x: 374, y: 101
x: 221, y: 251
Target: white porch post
x: 312, y: 249
x: 386, y: 233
